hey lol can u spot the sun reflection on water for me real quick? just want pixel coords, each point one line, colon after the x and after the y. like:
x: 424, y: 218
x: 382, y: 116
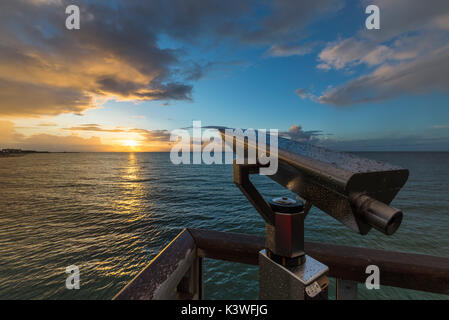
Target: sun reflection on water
x: 134, y: 191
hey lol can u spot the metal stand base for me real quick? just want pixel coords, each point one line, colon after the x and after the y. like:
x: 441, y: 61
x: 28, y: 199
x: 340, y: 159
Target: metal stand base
x: 304, y: 282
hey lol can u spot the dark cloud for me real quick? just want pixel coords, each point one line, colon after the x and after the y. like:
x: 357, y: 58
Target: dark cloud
x: 117, y: 54
x: 283, y: 21
x: 195, y: 71
x: 186, y: 19
x: 114, y: 54
x: 287, y: 20
x: 114, y: 86
x: 170, y: 91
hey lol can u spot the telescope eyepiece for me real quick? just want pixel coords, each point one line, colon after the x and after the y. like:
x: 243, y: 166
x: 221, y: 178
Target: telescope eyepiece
x: 377, y: 214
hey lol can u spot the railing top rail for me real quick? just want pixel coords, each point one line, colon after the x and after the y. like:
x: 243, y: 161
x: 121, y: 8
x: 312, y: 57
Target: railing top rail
x: 403, y: 270
x: 397, y: 269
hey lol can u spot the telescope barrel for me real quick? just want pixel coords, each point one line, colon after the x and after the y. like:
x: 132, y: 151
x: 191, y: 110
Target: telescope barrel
x: 377, y: 214
x: 354, y: 190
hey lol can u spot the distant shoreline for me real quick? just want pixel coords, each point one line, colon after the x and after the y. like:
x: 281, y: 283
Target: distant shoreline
x: 23, y: 153
x: 16, y: 155
x: 8, y: 153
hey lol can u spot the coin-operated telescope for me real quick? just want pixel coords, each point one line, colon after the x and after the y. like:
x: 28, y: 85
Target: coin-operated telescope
x: 355, y: 191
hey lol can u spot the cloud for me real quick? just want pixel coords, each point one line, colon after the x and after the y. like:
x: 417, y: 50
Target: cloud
x: 305, y: 94
x: 129, y: 89
x: 390, y: 143
x: 48, y: 142
x: 408, y: 55
x: 47, y: 124
x: 117, y: 52
x: 355, y: 51
x: 280, y: 50
x: 148, y: 140
x: 234, y: 19
x: 418, y: 76
x: 441, y: 126
x: 301, y: 92
x: 7, y: 132
x: 287, y: 20
x: 147, y: 135
x: 153, y: 135
x: 350, y: 52
x: 297, y: 133
x: 404, y: 16
x: 115, y: 55
x: 93, y: 127
x: 53, y: 143
x: 32, y: 100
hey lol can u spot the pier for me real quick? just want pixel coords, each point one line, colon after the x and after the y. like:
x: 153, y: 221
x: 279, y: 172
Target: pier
x: 177, y: 272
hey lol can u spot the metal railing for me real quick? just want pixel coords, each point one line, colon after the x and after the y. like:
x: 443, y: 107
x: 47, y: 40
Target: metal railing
x: 177, y: 271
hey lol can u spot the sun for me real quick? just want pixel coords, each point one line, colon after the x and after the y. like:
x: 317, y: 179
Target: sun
x: 130, y: 143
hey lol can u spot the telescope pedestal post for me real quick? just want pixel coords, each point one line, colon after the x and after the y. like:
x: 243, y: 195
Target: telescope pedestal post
x: 285, y: 271
x: 307, y: 281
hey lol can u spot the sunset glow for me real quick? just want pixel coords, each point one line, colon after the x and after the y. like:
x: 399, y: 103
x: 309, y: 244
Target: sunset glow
x: 125, y: 88
x: 131, y: 143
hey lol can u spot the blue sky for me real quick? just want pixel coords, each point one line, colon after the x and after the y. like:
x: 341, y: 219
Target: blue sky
x: 135, y: 71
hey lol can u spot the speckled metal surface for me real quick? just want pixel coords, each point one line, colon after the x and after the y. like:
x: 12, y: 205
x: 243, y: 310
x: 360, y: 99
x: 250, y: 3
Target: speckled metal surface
x: 328, y: 178
x: 279, y: 282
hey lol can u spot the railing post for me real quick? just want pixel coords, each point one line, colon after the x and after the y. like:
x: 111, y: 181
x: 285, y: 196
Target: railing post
x: 200, y: 279
x: 191, y: 285
x: 346, y: 289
